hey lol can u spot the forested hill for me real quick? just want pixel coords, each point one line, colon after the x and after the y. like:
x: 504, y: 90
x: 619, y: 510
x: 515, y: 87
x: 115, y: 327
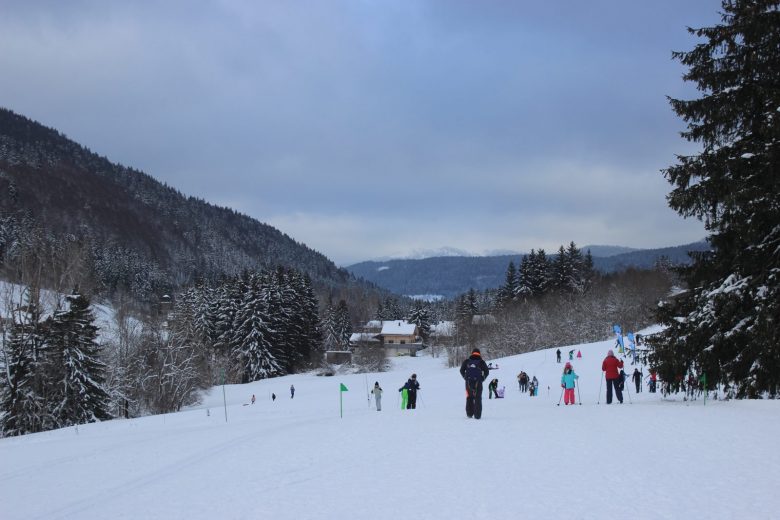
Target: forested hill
x: 454, y: 275
x: 132, y: 231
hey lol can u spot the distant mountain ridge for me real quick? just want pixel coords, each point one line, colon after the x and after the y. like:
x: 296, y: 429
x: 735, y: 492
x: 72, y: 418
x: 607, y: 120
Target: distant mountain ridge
x: 451, y: 276
x: 138, y: 232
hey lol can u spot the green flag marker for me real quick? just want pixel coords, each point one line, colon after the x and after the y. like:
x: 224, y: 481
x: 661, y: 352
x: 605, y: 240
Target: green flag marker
x: 342, y: 389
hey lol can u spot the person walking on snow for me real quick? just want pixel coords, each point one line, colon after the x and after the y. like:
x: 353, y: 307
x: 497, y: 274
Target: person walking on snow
x: 474, y: 371
x: 558, y: 354
x: 377, y: 391
x: 571, y: 355
x: 253, y: 398
x: 292, y: 391
x: 411, y: 387
x: 637, y: 377
x: 611, y: 366
x: 567, y: 383
x: 535, y: 383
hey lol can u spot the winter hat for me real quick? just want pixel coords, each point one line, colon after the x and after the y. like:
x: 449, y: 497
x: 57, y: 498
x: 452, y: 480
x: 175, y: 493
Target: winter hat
x: 476, y: 351
x: 610, y: 353
x: 568, y: 365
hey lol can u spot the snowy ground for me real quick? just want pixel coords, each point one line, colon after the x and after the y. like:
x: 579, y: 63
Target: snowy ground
x: 296, y: 459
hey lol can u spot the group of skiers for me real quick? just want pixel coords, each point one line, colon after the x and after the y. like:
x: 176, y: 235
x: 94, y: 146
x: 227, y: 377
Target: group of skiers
x: 475, y: 371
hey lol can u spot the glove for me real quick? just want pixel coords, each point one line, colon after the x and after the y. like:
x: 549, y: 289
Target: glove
x: 563, y: 386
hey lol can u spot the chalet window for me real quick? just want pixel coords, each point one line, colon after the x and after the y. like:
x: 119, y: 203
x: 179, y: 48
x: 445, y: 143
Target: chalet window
x: 389, y: 340
x: 403, y: 342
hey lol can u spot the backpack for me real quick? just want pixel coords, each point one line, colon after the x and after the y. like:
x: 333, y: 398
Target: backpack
x: 473, y: 371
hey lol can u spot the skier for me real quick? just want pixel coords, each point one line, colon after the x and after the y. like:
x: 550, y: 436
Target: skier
x: 292, y: 391
x: 273, y: 397
x: 535, y: 382
x: 377, y: 391
x: 579, y: 354
x: 567, y: 383
x: 531, y: 389
x: 493, y: 389
x: 571, y: 355
x: 558, y: 354
x: 610, y: 367
x: 623, y: 377
x: 253, y: 398
x: 653, y: 381
x: 523, y: 382
x: 637, y: 377
x: 411, y: 386
x: 474, y: 371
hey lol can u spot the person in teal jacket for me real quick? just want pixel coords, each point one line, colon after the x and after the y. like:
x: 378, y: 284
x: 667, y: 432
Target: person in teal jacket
x: 568, y: 383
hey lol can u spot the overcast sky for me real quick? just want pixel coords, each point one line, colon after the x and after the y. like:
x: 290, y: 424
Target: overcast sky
x: 372, y: 128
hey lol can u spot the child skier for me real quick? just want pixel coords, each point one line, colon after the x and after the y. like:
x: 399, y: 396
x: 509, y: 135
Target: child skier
x: 377, y: 391
x: 568, y: 380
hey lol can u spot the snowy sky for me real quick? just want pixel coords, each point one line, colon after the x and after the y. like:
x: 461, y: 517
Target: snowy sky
x: 370, y: 128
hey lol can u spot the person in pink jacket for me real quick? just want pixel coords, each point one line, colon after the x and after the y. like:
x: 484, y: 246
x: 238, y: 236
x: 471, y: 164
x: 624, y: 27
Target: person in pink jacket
x: 568, y: 382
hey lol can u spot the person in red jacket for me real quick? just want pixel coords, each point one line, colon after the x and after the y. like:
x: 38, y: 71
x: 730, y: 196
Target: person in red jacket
x: 611, y: 367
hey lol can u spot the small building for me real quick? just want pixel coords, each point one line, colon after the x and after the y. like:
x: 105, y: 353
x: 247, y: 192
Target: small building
x: 400, y: 338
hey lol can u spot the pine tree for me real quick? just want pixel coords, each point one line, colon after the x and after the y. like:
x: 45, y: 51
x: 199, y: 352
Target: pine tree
x: 78, y: 374
x: 508, y: 292
x: 726, y: 324
x: 251, y: 339
x: 421, y: 316
x: 22, y: 392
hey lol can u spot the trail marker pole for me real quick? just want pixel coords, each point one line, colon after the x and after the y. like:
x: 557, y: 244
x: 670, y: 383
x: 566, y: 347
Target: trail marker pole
x: 224, y: 399
x: 601, y: 382
x: 342, y: 389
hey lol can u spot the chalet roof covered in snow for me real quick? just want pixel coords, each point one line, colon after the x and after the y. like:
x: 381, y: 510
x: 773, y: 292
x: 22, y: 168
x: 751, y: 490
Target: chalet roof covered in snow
x: 398, y: 328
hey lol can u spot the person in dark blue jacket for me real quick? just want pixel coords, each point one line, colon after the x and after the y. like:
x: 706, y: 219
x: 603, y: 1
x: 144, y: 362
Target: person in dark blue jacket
x: 411, y: 387
x: 474, y: 371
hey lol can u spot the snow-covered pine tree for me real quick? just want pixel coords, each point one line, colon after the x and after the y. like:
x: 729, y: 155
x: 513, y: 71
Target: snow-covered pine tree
x: 308, y: 341
x: 343, y: 324
x: 251, y: 339
x: 421, y: 316
x: 524, y: 288
x: 77, y: 373
x: 23, y: 401
x: 727, y: 324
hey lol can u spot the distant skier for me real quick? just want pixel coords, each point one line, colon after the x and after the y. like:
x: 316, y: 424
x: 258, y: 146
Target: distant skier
x: 292, y: 391
x: 474, y: 371
x: 411, y: 386
x: 558, y: 354
x: 571, y: 355
x: 623, y: 377
x: 253, y: 398
x: 493, y: 389
x: 377, y: 391
x: 610, y: 367
x: 273, y: 397
x: 637, y: 377
x: 653, y: 381
x: 568, y: 381
x: 522, y: 378
x: 535, y: 382
x: 579, y: 354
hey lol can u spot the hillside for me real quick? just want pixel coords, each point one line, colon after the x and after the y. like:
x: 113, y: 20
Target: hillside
x: 136, y: 233
x: 296, y: 458
x: 452, y: 275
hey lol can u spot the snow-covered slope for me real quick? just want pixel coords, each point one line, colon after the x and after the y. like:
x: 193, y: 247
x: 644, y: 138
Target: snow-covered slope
x: 297, y: 459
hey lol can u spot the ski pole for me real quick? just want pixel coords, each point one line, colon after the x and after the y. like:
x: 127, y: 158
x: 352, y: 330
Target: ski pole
x: 629, y: 394
x: 579, y: 397
x: 561, y: 397
x: 601, y: 382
